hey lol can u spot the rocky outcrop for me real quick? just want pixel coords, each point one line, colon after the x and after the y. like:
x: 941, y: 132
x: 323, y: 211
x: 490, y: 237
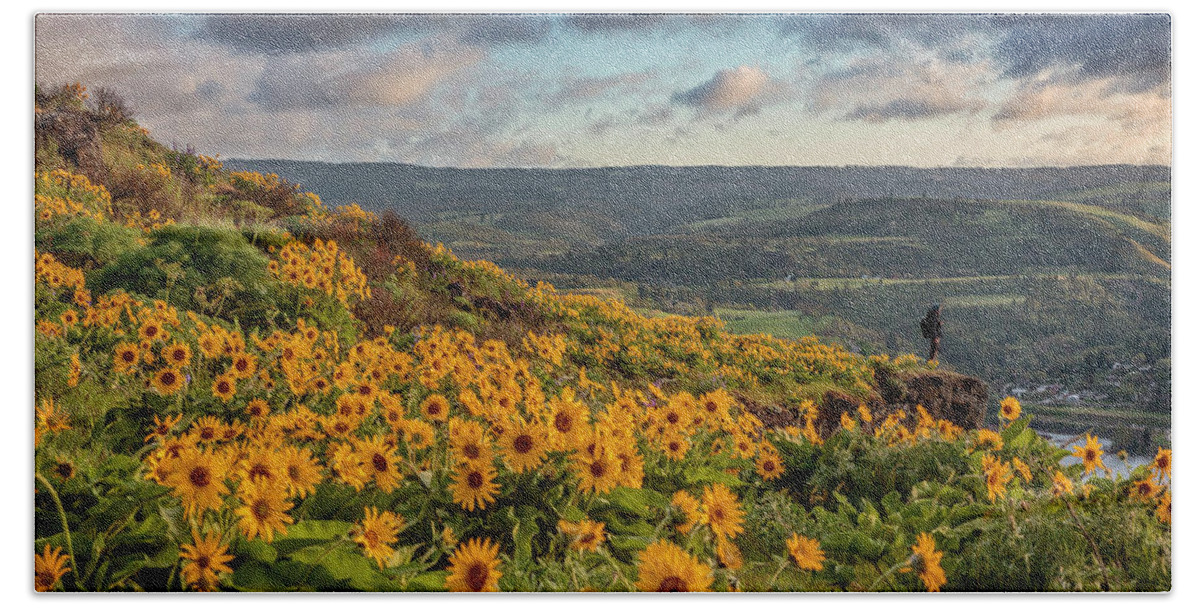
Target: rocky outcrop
x: 76, y: 137
x: 945, y: 395
x: 772, y: 415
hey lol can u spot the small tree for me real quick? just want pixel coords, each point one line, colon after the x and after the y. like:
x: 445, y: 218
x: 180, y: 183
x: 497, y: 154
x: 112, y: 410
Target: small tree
x: 109, y: 107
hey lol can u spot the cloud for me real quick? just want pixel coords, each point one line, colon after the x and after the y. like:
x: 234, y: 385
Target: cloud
x: 1135, y: 49
x: 1043, y: 99
x: 654, y: 116
x: 735, y: 89
x: 479, y: 143
x: 888, y: 87
x: 604, y: 22
x: 906, y: 109
x: 282, y: 33
x: 139, y: 57
x: 504, y: 29
x: 286, y: 34
x: 1133, y: 52
x: 433, y: 89
x: 399, y: 78
x: 848, y: 32
x: 590, y: 87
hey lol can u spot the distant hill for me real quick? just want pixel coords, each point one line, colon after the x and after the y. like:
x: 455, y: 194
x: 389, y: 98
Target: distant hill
x: 1047, y: 273
x: 654, y: 198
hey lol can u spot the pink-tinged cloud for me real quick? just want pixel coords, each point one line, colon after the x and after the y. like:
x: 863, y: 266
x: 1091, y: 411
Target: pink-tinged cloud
x: 402, y: 77
x: 736, y: 89
x: 1047, y: 98
x: 882, y: 88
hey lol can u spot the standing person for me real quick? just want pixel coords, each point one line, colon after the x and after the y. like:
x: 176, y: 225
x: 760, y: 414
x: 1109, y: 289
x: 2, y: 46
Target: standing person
x: 931, y: 329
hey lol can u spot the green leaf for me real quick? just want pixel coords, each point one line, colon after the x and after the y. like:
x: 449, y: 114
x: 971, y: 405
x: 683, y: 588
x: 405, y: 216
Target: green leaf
x: 256, y: 576
x: 1023, y: 439
x: 347, y: 564
x: 629, y: 543
x: 852, y: 546
x: 310, y: 532
x: 637, y: 528
x: 572, y: 513
x: 705, y: 475
x: 1015, y: 429
x: 427, y: 581
x: 892, y: 502
x: 524, y: 531
x: 963, y: 513
x: 630, y: 500
x: 257, y: 550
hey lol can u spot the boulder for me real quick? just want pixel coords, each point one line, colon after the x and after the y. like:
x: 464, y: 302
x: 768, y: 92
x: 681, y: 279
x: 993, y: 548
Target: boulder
x: 945, y: 395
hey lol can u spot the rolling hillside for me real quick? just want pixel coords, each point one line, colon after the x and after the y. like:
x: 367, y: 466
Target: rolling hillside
x: 241, y: 388
x: 1047, y: 274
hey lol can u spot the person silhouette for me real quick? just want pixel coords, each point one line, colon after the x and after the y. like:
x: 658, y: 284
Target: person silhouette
x: 931, y: 329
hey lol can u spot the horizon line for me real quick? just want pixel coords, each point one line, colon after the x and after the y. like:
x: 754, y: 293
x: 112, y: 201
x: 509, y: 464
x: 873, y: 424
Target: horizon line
x: 696, y: 166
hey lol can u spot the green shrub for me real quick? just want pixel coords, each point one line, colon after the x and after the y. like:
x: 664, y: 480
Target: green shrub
x: 210, y: 270
x: 84, y: 243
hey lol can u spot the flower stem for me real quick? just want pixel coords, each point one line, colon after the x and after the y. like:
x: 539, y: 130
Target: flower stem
x: 62, y: 514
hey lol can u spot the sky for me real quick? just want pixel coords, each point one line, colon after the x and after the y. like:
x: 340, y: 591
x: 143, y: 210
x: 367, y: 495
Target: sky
x: 585, y: 90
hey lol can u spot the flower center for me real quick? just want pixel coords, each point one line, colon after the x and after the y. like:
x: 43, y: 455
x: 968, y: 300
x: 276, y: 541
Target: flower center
x: 672, y: 583
x: 523, y: 444
x: 380, y: 463
x: 261, y: 509
x: 259, y: 470
x: 477, y: 576
x: 200, y: 477
x: 562, y: 422
x: 475, y: 480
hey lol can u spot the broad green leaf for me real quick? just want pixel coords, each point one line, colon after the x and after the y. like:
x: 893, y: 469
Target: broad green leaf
x: 427, y: 581
x: 347, y: 564
x: 257, y: 550
x: 310, y: 532
x: 1023, y: 439
x: 1014, y: 429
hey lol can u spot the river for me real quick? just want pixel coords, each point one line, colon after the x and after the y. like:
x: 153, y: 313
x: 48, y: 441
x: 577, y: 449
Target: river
x: 1110, y: 458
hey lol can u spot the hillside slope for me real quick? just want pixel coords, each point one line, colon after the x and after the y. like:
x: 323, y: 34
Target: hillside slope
x: 240, y: 389
x: 1049, y: 275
